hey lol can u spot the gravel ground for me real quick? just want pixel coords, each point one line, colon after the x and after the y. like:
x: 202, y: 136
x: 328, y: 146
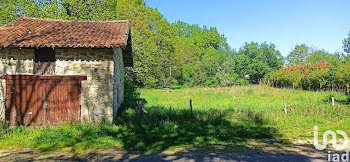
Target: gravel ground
x: 222, y: 153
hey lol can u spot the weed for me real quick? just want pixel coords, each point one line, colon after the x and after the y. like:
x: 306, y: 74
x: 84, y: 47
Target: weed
x: 214, y: 121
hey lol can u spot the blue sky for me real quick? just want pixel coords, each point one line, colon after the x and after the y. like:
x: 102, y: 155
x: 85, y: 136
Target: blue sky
x: 321, y: 24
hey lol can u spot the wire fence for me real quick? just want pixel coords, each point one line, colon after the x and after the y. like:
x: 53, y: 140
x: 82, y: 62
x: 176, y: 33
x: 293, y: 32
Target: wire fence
x: 343, y: 102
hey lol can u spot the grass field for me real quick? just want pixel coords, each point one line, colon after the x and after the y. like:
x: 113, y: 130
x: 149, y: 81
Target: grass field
x: 215, y: 120
x: 305, y: 109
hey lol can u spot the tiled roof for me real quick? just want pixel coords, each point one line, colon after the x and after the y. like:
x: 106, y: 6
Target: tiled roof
x: 35, y: 32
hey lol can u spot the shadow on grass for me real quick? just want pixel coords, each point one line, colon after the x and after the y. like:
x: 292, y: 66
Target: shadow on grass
x: 161, y: 129
x: 158, y: 130
x: 343, y: 100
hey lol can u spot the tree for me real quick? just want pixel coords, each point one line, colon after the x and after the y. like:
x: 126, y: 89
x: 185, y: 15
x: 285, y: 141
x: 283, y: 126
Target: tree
x: 58, y: 9
x: 153, y: 42
x: 320, y: 70
x: 323, y: 56
x: 8, y: 11
x: 346, y: 44
x: 226, y: 73
x: 299, y: 54
x: 254, y: 61
x: 199, y: 52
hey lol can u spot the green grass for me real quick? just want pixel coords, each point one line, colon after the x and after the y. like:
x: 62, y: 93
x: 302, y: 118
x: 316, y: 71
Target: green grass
x: 305, y: 109
x: 214, y: 121
x: 78, y: 138
x: 254, y: 97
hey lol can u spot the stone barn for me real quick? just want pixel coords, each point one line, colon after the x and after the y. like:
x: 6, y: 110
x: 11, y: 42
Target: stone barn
x: 55, y: 71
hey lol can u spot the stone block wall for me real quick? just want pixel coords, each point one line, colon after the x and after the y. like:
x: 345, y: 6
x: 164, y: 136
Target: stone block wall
x: 98, y: 91
x: 13, y: 61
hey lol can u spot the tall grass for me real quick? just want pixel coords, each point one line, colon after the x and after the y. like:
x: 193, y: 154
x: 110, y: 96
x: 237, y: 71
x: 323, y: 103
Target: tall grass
x: 215, y: 120
x: 77, y: 137
x: 159, y: 130
x: 305, y: 109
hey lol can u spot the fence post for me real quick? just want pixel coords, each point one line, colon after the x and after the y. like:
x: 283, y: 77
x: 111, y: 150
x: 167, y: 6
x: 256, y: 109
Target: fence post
x: 285, y: 105
x: 191, y: 105
x: 170, y: 106
x: 333, y: 101
x: 239, y: 105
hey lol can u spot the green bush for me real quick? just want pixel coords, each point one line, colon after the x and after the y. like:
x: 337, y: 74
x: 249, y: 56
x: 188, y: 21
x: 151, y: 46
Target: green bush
x: 176, y: 86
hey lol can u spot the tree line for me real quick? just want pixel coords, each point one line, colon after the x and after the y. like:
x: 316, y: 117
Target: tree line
x: 185, y: 55
x: 311, y: 69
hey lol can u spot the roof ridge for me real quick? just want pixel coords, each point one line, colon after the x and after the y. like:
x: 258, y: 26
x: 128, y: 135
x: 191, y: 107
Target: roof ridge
x: 62, y: 20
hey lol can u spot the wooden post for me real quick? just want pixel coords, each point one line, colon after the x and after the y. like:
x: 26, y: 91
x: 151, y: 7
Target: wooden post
x: 191, y: 105
x: 239, y: 105
x: 170, y: 106
x: 285, y: 105
x: 333, y: 101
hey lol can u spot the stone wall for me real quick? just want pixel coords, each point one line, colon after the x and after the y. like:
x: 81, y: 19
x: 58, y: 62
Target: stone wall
x: 97, y: 64
x: 13, y: 61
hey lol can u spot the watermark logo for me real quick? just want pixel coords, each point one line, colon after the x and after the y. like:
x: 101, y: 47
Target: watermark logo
x: 336, y: 146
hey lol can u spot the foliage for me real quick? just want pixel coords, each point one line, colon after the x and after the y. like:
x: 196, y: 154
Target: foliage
x: 319, y: 70
x: 342, y: 75
x: 322, y: 56
x: 153, y: 39
x: 298, y: 54
x: 167, y: 54
x: 198, y: 54
x: 227, y: 75
x: 253, y: 61
x: 58, y: 9
x: 131, y: 95
x: 346, y: 44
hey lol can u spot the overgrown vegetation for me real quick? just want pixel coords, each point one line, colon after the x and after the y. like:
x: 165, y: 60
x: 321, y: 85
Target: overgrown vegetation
x: 159, y: 130
x: 215, y: 120
x: 305, y: 109
x: 313, y: 70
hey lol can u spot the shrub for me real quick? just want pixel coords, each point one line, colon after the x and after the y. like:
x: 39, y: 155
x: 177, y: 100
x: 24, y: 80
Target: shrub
x: 314, y: 76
